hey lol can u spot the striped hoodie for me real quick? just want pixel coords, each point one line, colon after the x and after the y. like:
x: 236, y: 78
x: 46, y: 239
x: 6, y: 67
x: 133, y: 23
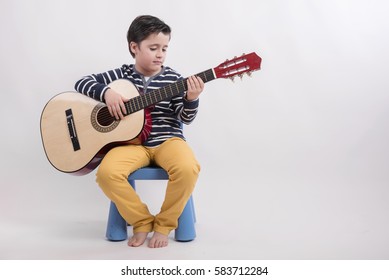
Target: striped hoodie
x: 167, y: 116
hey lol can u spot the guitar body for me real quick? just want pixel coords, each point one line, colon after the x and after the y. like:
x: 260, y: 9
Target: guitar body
x: 77, y: 131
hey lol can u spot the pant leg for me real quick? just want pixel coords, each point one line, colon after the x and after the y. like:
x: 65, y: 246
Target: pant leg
x: 112, y: 177
x: 177, y: 158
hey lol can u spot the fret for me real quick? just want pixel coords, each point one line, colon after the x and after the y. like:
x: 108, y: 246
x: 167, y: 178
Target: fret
x: 133, y: 105
x: 169, y: 87
x: 147, y: 100
x: 127, y: 109
x: 140, y: 106
x: 130, y: 111
x: 141, y: 101
x: 178, y: 90
x: 137, y: 105
x: 181, y: 86
x: 205, y: 77
x: 151, y: 96
x: 160, y: 93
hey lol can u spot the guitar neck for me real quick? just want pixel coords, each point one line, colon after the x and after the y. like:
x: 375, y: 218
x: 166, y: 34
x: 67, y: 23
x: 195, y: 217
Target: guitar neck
x: 145, y: 100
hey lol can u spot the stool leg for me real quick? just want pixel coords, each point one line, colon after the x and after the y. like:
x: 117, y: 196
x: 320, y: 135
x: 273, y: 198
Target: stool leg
x: 132, y: 183
x: 116, y: 226
x: 186, y: 224
x: 192, y: 206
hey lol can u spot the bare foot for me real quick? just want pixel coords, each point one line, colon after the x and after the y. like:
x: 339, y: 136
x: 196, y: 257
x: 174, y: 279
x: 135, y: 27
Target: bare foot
x: 137, y: 239
x: 158, y: 240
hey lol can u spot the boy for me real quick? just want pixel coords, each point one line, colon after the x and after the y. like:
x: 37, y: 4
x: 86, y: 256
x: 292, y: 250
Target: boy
x: 148, y: 38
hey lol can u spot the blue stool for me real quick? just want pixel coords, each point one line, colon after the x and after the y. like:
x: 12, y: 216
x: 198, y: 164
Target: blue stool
x: 117, y: 226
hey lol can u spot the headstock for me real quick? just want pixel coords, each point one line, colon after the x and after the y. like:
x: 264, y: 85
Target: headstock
x: 246, y: 63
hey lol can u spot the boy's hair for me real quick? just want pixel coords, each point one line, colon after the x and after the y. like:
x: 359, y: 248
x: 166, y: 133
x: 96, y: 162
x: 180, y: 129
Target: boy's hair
x: 143, y: 26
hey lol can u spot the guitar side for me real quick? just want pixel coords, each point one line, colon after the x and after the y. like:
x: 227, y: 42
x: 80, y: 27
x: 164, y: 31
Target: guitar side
x: 77, y: 132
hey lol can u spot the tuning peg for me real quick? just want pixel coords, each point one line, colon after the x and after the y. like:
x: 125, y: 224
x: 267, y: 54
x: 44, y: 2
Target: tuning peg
x: 232, y: 79
x: 249, y: 73
x: 241, y: 76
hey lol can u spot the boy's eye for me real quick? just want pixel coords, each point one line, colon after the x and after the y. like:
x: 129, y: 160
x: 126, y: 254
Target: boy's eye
x: 153, y: 49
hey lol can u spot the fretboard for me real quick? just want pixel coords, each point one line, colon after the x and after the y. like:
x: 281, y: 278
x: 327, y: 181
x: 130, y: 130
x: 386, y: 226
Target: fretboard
x: 143, y: 101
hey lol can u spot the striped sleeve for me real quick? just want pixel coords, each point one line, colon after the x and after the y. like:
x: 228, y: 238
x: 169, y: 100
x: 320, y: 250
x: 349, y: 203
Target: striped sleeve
x: 95, y: 85
x: 189, y: 110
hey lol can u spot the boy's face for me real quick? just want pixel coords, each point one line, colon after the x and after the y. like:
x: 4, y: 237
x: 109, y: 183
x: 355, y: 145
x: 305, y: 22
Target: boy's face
x: 150, y: 54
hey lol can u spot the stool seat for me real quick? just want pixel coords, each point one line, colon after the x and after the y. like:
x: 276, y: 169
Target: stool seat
x: 117, y: 226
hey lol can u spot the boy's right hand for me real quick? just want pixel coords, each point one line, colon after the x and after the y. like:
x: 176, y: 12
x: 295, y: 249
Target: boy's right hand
x: 115, y: 104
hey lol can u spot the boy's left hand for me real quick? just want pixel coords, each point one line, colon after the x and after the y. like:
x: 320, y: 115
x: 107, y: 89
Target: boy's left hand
x: 195, y: 87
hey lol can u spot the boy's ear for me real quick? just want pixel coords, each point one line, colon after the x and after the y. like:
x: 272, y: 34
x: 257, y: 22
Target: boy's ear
x: 133, y: 47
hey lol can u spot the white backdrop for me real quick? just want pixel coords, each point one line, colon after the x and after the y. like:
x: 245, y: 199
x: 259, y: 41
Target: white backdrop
x: 296, y: 154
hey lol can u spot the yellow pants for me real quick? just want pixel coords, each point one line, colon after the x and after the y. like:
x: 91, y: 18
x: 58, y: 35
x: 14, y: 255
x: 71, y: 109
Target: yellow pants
x: 175, y: 156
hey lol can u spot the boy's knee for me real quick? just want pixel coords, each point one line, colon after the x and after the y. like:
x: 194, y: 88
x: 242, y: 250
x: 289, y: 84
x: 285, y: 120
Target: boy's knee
x: 187, y: 170
x: 197, y: 168
x: 102, y: 175
x: 105, y: 176
x: 101, y: 171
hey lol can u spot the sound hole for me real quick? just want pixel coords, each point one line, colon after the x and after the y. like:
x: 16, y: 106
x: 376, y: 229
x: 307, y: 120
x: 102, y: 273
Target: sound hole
x: 102, y: 120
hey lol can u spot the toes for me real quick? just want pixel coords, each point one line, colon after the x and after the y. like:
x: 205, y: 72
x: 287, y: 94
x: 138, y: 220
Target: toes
x: 158, y: 241
x: 137, y: 239
x: 133, y: 242
x: 151, y: 243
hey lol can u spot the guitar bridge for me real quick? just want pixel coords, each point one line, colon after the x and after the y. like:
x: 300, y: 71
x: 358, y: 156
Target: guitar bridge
x: 72, y: 130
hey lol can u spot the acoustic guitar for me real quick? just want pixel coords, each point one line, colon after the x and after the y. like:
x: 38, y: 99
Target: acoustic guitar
x: 77, y: 131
